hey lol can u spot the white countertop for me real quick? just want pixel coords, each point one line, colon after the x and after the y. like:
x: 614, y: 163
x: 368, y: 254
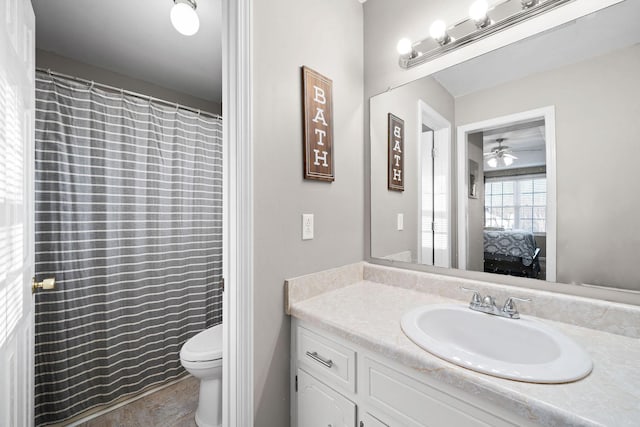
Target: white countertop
x: 368, y: 314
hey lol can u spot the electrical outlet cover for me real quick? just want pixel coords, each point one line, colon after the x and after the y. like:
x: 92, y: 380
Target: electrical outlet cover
x: 307, y: 226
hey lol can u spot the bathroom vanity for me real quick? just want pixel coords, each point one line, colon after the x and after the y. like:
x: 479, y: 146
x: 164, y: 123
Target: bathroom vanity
x: 341, y: 384
x: 352, y: 365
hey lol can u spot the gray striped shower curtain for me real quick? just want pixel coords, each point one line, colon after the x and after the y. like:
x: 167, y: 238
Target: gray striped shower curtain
x: 129, y: 222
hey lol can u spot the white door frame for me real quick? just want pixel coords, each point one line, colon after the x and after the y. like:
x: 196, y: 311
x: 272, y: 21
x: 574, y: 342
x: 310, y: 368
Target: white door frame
x: 549, y: 116
x: 17, y: 93
x: 425, y: 144
x: 237, y: 313
x: 442, y: 137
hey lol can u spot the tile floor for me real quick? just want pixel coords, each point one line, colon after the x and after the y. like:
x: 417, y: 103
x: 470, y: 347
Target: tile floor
x: 173, y: 406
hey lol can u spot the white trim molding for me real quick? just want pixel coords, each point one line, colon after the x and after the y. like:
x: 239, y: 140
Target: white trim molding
x: 441, y: 128
x: 549, y: 116
x: 237, y: 398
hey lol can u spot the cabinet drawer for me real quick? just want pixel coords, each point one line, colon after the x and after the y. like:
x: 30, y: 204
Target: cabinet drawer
x: 416, y: 403
x: 327, y: 359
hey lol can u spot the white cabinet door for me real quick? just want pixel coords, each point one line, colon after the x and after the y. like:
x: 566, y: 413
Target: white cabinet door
x: 321, y: 406
x: 369, y: 420
x: 17, y: 91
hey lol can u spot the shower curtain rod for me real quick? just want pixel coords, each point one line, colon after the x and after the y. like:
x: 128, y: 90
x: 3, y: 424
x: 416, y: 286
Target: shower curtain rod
x: 128, y: 92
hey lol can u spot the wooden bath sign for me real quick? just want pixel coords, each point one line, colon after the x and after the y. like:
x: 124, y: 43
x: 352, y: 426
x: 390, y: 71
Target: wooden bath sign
x: 395, y: 162
x: 318, y: 126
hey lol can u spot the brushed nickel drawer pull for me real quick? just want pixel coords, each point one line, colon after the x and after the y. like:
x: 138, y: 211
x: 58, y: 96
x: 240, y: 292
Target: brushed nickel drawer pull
x: 326, y: 362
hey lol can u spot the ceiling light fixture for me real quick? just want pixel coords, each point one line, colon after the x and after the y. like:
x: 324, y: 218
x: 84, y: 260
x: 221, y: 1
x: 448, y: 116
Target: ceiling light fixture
x: 184, y: 17
x: 478, y: 25
x: 500, y: 154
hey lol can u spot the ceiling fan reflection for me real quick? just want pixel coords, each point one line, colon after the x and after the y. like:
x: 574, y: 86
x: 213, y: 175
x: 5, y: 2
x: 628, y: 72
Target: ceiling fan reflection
x: 500, y: 155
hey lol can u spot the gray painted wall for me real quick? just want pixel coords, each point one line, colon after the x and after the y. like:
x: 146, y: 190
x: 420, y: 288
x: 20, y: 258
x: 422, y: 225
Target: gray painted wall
x: 402, y: 102
x: 597, y: 108
x: 328, y: 37
x: 75, y: 68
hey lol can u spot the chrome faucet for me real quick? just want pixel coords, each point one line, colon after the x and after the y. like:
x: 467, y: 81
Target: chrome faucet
x: 488, y: 305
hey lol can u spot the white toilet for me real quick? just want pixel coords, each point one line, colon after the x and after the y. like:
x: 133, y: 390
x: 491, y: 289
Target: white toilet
x: 201, y: 355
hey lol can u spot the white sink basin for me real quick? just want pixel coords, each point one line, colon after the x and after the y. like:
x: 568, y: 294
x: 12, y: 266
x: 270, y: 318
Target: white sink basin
x: 518, y: 349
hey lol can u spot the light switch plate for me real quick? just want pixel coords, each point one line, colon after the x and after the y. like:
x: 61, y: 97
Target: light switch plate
x: 400, y: 222
x: 307, y: 226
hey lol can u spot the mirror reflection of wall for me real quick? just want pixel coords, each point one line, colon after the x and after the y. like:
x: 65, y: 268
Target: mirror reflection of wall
x: 427, y: 185
x: 590, y: 79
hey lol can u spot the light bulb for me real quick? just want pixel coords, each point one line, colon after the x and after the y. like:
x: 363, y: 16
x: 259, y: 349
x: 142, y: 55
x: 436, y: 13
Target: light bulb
x: 185, y: 19
x: 478, y: 10
x: 438, y: 30
x: 478, y: 13
x: 404, y: 46
x: 507, y: 160
x: 492, y: 162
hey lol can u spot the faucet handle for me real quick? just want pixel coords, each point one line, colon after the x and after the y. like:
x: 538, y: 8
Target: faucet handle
x: 476, y: 299
x: 510, y: 308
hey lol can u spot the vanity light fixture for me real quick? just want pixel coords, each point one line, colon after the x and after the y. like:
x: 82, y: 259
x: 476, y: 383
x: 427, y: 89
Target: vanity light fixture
x: 526, y: 4
x: 184, y: 17
x: 443, y: 39
x: 478, y: 13
x: 405, y: 48
x: 438, y: 32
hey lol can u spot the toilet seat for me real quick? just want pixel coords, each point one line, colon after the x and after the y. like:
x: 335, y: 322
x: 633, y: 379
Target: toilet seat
x: 205, y: 346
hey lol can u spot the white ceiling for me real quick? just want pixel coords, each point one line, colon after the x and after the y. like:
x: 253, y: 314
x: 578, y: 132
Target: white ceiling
x: 136, y: 38
x: 609, y: 29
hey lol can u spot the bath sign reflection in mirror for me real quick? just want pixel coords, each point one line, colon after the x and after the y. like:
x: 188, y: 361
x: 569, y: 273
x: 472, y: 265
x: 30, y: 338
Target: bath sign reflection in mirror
x: 318, y: 126
x: 396, y: 153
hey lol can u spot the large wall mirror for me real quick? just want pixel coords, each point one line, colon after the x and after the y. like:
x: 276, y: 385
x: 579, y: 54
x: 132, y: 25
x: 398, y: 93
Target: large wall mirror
x: 522, y: 161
